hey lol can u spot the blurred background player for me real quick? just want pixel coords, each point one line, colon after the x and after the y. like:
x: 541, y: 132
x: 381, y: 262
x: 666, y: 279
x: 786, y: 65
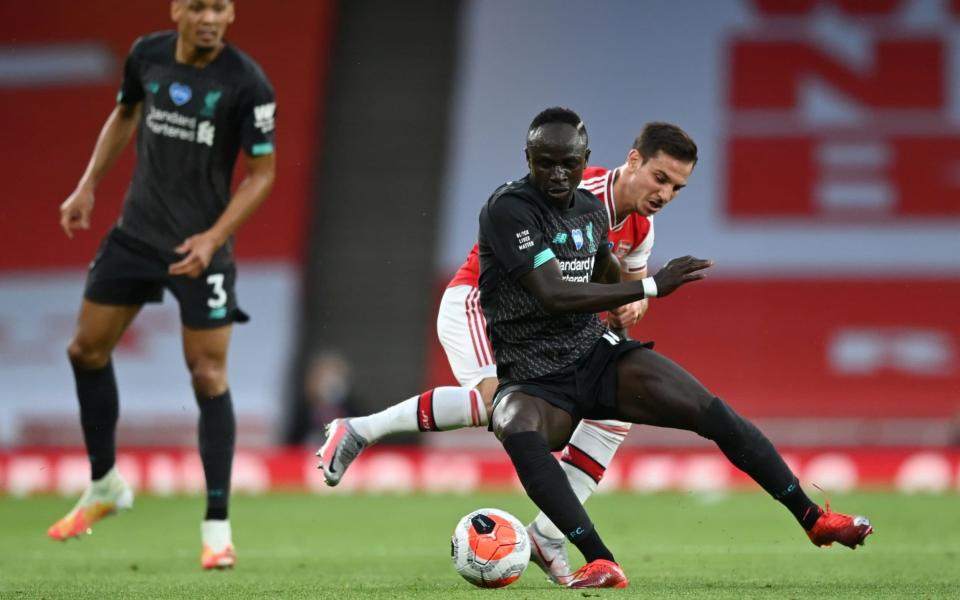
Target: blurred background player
x: 631, y: 193
x: 558, y: 363
x: 195, y: 100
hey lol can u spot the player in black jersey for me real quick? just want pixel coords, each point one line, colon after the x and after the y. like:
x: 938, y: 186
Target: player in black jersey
x: 544, y: 268
x: 194, y: 101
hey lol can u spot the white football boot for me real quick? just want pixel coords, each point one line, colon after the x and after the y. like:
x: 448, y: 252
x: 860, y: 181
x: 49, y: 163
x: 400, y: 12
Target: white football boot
x: 102, y: 498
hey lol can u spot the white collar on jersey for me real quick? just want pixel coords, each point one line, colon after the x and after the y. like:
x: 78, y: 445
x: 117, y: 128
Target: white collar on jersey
x: 612, y: 176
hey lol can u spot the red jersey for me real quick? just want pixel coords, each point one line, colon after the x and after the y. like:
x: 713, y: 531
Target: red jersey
x: 631, y: 238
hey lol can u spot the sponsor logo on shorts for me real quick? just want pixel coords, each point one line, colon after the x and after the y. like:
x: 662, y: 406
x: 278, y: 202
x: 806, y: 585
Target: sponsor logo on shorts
x: 218, y: 313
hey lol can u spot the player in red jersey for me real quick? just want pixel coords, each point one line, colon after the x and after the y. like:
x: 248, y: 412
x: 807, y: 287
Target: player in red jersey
x: 631, y: 193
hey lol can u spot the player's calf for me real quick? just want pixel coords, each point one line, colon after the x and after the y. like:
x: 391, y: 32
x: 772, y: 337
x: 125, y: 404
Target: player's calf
x: 584, y: 461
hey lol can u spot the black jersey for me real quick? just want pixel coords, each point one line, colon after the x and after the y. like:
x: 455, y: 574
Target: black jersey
x: 521, y: 230
x: 193, y: 124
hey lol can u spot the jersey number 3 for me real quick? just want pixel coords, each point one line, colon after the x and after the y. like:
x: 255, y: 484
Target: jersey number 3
x: 219, y: 297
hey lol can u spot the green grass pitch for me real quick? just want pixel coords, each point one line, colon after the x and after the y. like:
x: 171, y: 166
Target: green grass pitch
x: 395, y: 547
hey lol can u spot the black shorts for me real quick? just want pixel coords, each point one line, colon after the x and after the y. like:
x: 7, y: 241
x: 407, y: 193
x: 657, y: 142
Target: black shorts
x: 127, y: 271
x: 587, y: 389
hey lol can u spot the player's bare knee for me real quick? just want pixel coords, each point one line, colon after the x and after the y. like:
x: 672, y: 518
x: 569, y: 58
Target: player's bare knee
x: 504, y: 427
x: 208, y: 380
x: 513, y: 416
x: 86, y: 356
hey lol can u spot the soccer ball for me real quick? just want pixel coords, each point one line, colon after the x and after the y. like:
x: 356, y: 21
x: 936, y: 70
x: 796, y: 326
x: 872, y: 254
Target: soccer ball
x: 490, y: 548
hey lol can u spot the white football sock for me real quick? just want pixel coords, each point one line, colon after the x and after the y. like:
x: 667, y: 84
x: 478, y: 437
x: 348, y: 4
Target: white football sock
x: 585, y: 459
x: 216, y: 534
x: 109, y: 488
x: 439, y: 409
x: 110, y: 480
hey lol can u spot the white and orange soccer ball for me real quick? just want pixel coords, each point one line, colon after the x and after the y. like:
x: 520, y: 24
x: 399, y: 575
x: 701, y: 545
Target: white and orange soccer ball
x: 490, y: 548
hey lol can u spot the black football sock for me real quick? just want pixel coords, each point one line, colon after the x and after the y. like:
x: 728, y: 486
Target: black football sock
x: 217, y: 432
x: 747, y: 448
x: 547, y: 485
x: 99, y: 410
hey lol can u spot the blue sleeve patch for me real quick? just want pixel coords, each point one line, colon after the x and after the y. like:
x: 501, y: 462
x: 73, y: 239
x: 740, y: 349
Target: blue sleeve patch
x: 543, y: 257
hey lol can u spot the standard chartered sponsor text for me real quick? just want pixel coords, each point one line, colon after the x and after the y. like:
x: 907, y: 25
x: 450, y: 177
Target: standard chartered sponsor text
x: 577, y: 269
x: 174, y: 125
x: 577, y: 264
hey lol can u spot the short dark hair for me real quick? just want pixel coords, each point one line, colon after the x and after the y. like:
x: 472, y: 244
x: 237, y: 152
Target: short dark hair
x: 557, y: 114
x: 666, y: 137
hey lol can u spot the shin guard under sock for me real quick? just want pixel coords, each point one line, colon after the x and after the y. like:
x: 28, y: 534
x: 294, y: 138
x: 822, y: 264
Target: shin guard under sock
x: 217, y: 431
x: 547, y: 485
x: 751, y: 452
x: 99, y: 411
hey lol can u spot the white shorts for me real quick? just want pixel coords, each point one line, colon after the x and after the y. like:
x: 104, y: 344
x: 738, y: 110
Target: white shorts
x: 463, y: 333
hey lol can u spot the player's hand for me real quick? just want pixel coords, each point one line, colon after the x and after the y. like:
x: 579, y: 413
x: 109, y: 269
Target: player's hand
x: 627, y: 315
x: 199, y: 250
x: 680, y: 271
x: 75, y: 211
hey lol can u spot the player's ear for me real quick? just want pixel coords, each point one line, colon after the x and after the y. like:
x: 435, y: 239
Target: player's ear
x: 232, y: 14
x: 175, y: 9
x: 586, y: 156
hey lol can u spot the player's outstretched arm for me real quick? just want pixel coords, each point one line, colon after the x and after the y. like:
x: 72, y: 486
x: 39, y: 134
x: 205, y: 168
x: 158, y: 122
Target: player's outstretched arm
x: 678, y: 272
x: 559, y: 297
x: 114, y: 137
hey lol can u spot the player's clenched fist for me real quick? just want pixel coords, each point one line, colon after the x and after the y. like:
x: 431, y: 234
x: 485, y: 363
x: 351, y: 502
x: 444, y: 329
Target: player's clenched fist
x: 679, y: 271
x: 75, y: 211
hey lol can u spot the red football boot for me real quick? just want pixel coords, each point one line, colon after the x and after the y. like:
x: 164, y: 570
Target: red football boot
x: 849, y: 530
x: 599, y: 573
